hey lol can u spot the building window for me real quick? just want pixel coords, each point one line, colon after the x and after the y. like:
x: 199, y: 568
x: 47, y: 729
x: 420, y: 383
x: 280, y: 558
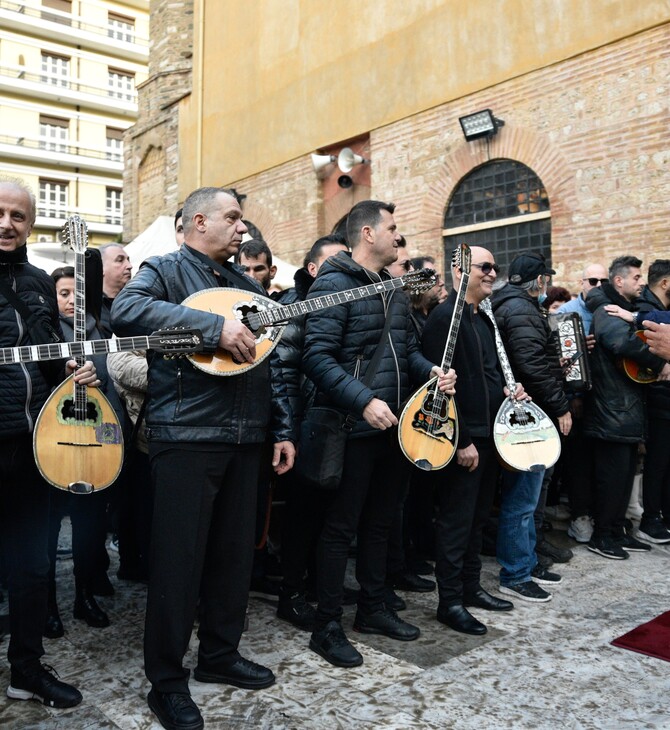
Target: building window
x: 114, y: 206
x: 121, y: 84
x: 114, y: 144
x: 502, y: 206
x: 54, y: 133
x: 64, y: 6
x: 120, y: 27
x: 53, y: 199
x: 55, y: 70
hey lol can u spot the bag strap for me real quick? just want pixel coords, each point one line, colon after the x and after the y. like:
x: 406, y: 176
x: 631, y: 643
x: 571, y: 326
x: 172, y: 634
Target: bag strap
x: 41, y: 335
x: 229, y: 275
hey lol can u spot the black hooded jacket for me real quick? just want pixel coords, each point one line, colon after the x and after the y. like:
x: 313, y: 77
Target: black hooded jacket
x: 341, y: 341
x: 527, y: 337
x: 616, y: 409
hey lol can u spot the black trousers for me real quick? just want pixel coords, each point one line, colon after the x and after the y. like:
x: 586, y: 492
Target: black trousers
x: 578, y: 469
x: 615, y: 470
x: 202, y: 545
x: 365, y: 503
x: 24, y: 526
x: 134, y: 514
x: 656, y: 481
x: 465, y: 499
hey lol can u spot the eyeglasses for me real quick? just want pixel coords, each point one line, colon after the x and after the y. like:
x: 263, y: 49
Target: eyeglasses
x: 594, y: 282
x: 487, y: 267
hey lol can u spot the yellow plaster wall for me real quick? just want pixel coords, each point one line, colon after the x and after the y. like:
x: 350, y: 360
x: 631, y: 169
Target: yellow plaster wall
x: 284, y: 77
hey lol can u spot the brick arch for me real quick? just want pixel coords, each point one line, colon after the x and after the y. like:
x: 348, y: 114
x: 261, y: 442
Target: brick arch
x: 518, y: 144
x: 263, y: 219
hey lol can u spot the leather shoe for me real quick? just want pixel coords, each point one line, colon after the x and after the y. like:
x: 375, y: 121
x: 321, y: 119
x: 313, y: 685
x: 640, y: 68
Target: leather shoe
x: 53, y: 627
x: 481, y: 599
x: 387, y: 623
x: 407, y: 581
x: 331, y: 643
x: 86, y: 608
x: 243, y: 673
x: 459, y: 619
x: 175, y: 710
x: 393, y: 601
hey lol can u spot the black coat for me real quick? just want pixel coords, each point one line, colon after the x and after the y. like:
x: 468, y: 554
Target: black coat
x: 530, y: 349
x: 658, y: 395
x: 475, y: 402
x: 26, y: 386
x: 341, y: 341
x: 615, y: 410
x: 183, y: 403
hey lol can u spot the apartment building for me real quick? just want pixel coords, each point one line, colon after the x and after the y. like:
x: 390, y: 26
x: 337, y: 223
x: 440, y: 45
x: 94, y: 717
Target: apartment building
x: 69, y: 70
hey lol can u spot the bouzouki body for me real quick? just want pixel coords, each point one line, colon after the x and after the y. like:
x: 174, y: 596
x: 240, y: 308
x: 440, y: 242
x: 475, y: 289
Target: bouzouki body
x: 523, y: 434
x: 78, y: 443
x: 637, y: 372
x: 266, y: 318
x: 428, y: 423
x: 72, y: 452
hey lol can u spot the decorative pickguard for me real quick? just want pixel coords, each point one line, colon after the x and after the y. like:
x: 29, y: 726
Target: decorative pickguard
x: 66, y: 412
x: 434, y: 422
x: 243, y: 309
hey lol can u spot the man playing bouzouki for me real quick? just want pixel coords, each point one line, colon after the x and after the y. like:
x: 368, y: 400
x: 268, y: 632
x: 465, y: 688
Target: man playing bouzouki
x: 24, y: 495
x: 206, y: 436
x: 339, y: 345
x: 465, y: 488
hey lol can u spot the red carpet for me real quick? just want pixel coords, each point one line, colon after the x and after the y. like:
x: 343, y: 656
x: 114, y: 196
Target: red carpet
x: 652, y: 638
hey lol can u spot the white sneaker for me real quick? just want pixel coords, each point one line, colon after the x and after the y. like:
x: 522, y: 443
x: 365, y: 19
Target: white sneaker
x: 581, y: 529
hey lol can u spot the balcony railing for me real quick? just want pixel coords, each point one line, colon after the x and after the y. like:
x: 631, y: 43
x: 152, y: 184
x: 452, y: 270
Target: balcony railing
x: 52, y: 145
x: 69, y: 84
x: 58, y: 215
x: 56, y: 16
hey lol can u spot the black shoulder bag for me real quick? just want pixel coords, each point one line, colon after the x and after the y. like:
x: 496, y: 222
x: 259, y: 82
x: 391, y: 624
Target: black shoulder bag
x: 324, y: 432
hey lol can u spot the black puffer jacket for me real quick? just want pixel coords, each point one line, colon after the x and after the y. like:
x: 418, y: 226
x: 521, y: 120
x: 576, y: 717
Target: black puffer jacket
x: 299, y: 388
x: 25, y: 386
x: 184, y: 403
x: 476, y: 400
x: 527, y: 337
x: 341, y: 341
x: 616, y: 409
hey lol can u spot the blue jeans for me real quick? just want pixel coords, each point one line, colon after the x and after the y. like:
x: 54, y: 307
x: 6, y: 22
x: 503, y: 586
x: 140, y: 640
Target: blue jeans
x: 516, y: 527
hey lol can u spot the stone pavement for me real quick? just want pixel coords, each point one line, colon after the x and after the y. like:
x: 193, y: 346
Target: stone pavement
x: 540, y: 666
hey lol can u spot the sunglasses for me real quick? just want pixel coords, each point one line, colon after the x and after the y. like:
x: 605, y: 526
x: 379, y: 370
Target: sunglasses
x: 487, y: 267
x: 594, y: 282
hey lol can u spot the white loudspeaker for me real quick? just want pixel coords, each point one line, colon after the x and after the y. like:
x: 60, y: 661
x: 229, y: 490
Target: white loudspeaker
x: 320, y: 162
x: 347, y: 159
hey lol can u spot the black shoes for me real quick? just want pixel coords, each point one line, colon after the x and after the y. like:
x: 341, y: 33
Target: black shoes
x: 332, y: 644
x: 387, y: 623
x: 553, y: 552
x: 407, y: 581
x: 631, y: 545
x: 459, y: 619
x: 607, y: 547
x: 393, y: 601
x: 481, y: 599
x: 243, y: 673
x: 527, y: 591
x: 175, y: 710
x: 545, y: 577
x: 652, y: 529
x: 86, y: 608
x: 294, y: 608
x: 41, y: 683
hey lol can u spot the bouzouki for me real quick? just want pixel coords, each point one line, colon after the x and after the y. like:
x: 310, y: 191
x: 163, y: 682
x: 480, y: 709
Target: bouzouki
x: 428, y: 424
x: 635, y: 371
x: 523, y: 434
x: 266, y: 318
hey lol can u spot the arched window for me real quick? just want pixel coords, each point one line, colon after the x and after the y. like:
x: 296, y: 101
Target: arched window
x: 502, y: 206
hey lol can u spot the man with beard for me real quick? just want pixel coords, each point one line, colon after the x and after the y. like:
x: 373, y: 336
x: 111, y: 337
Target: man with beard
x: 615, y: 414
x: 255, y: 258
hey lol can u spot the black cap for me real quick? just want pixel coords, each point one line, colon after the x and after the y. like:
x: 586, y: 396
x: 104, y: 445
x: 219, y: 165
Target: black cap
x: 528, y: 266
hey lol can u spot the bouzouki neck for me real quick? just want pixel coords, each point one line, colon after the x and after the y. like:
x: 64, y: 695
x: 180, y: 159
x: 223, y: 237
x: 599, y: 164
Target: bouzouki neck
x: 510, y: 381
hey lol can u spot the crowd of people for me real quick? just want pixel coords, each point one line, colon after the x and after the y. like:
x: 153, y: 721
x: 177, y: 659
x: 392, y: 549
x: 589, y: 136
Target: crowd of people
x: 191, y: 507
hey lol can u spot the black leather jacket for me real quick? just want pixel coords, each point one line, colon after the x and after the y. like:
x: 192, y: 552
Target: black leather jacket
x: 184, y: 403
x: 476, y: 400
x: 25, y: 386
x: 341, y: 341
x: 527, y: 337
x: 616, y: 409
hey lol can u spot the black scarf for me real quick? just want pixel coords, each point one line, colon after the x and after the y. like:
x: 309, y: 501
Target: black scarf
x: 615, y: 298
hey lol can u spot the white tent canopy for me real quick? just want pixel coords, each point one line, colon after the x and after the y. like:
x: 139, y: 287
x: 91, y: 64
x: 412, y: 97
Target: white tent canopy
x: 50, y: 256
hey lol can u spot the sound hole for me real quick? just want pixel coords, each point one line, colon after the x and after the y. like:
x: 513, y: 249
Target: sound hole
x: 68, y: 413
x: 246, y: 313
x: 521, y: 417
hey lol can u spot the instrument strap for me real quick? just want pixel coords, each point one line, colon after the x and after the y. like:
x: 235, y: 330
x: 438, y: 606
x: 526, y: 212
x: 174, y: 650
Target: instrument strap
x: 231, y: 277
